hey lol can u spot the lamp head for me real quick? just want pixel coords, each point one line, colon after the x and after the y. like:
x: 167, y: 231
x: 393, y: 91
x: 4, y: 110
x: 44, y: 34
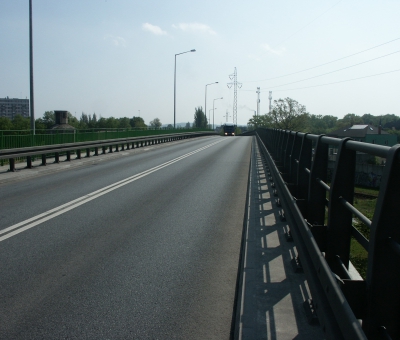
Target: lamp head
x: 193, y: 50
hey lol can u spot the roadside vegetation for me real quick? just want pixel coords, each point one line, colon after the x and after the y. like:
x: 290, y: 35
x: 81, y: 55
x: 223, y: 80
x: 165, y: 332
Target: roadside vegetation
x: 289, y: 114
x: 366, y: 205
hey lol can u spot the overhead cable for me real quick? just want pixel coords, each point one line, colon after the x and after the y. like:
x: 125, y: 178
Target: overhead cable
x: 330, y: 62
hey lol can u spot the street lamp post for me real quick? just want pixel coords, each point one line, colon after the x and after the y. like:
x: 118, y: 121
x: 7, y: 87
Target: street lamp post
x: 205, y: 100
x: 175, y: 85
x: 213, y: 109
x: 32, y: 105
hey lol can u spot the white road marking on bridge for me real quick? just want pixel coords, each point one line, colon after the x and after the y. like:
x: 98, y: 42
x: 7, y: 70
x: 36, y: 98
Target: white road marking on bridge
x: 48, y: 215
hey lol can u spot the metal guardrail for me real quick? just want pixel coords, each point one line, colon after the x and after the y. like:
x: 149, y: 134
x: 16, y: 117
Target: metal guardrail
x: 24, y: 138
x: 67, y: 148
x: 347, y: 308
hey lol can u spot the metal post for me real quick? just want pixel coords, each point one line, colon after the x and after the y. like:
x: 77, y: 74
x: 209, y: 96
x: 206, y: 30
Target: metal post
x: 175, y: 85
x: 32, y: 106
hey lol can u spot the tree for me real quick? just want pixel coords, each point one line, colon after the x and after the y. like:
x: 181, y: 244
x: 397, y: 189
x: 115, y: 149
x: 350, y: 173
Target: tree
x: 200, y: 119
x: 288, y: 114
x: 155, y: 123
x: 260, y: 121
x: 124, y: 123
x: 21, y: 123
x: 170, y: 127
x: 5, y: 124
x: 73, y: 121
x: 137, y: 122
x: 187, y: 125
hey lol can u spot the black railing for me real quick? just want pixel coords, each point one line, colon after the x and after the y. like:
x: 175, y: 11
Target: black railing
x: 347, y: 306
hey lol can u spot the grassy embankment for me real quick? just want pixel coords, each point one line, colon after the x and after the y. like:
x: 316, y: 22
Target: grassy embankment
x: 358, y: 255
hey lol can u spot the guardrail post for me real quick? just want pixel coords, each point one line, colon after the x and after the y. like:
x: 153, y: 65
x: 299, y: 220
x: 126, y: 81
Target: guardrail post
x: 316, y: 193
x: 44, y: 161
x: 293, y: 162
x: 87, y: 152
x: 110, y: 150
x: 57, y: 157
x: 383, y: 273
x: 78, y: 154
x: 302, y: 177
x: 29, y: 162
x: 96, y: 151
x: 12, y: 164
x: 340, y: 219
x: 304, y: 162
x: 68, y: 156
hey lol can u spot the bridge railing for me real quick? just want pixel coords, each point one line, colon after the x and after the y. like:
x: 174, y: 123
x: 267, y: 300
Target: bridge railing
x: 320, y: 217
x: 28, y: 153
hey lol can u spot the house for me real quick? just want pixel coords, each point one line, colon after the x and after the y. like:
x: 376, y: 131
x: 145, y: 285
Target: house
x: 367, y: 134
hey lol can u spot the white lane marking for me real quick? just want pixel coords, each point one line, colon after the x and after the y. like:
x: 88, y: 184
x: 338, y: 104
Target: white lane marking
x: 34, y: 221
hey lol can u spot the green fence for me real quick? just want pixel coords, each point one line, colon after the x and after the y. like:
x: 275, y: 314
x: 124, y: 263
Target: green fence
x: 10, y: 139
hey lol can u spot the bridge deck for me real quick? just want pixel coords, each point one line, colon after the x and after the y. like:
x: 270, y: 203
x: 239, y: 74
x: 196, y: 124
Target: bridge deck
x: 271, y: 293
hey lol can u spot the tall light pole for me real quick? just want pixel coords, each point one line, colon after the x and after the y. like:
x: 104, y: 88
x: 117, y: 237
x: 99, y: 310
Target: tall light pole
x: 205, y: 100
x: 32, y: 105
x: 175, y: 85
x: 209, y: 115
x: 213, y: 109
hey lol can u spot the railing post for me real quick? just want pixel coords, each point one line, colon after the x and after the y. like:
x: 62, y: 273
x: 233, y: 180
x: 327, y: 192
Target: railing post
x: 44, y: 161
x: 340, y: 219
x: 287, y: 148
x: 29, y: 162
x: 316, y: 193
x: 294, y: 157
x: 383, y: 273
x: 12, y: 164
x: 304, y: 162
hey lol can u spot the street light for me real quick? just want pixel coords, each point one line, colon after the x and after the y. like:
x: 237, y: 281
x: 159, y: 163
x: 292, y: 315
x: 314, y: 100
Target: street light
x: 205, y: 100
x: 31, y: 99
x: 175, y: 85
x: 213, y: 109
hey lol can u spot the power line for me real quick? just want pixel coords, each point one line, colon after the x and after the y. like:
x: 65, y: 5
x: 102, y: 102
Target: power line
x: 341, y: 69
x: 337, y: 82
x: 330, y: 62
x: 309, y: 23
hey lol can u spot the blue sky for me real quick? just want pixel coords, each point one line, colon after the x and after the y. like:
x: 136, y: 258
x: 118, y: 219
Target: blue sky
x: 116, y: 57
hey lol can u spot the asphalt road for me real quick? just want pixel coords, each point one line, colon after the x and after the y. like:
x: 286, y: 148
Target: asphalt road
x: 143, y: 246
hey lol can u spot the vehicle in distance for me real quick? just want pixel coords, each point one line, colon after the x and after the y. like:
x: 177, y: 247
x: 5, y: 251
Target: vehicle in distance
x: 229, y: 129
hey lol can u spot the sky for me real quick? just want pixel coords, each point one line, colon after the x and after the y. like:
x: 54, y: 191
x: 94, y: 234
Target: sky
x: 116, y: 57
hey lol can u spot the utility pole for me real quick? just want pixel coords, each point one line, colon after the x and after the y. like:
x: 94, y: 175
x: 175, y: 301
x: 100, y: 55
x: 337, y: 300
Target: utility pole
x: 235, y: 85
x: 227, y: 115
x: 32, y: 105
x: 270, y: 98
x: 258, y: 101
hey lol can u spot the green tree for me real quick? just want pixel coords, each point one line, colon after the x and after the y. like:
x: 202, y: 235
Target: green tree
x: 288, y: 114
x: 124, y: 123
x: 49, y: 119
x: 137, y: 122
x: 260, y: 121
x: 73, y: 121
x: 5, y: 124
x: 349, y: 120
x: 21, y: 123
x: 112, y: 123
x: 187, y: 125
x: 200, y: 119
x: 155, y: 123
x: 170, y: 127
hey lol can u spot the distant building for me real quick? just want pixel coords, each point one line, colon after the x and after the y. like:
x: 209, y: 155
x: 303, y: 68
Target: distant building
x: 10, y: 107
x: 367, y: 134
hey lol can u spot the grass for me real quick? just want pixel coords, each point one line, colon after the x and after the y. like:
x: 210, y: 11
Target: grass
x: 367, y: 191
x: 358, y: 255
